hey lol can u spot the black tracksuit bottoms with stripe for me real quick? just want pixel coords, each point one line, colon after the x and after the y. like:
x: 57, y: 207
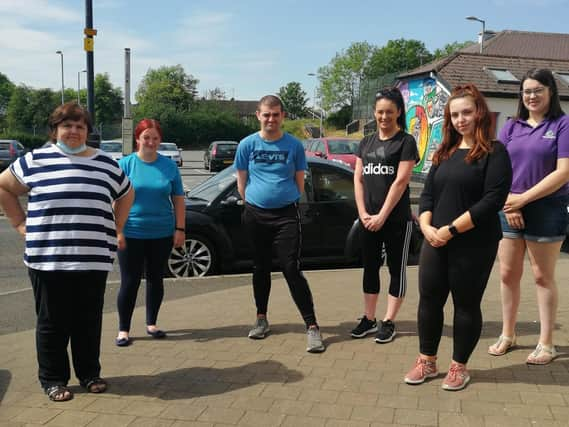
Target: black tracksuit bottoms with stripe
x: 278, y: 229
x: 396, y: 237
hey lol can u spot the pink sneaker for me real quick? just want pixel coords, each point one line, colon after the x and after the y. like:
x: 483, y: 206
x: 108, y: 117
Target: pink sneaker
x: 457, y: 377
x: 422, y: 370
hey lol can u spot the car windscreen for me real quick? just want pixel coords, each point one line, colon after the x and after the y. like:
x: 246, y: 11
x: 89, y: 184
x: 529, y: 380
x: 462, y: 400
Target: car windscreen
x: 226, y: 148
x: 211, y: 188
x: 342, y: 146
x: 111, y: 147
x: 167, y: 147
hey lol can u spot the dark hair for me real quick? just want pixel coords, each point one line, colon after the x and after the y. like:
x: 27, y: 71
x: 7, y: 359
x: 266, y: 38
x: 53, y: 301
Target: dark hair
x: 147, y: 124
x: 483, y: 127
x: 545, y: 77
x: 270, y: 101
x: 68, y: 111
x: 393, y: 94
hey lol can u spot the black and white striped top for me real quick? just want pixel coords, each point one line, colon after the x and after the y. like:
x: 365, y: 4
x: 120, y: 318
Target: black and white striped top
x: 70, y: 223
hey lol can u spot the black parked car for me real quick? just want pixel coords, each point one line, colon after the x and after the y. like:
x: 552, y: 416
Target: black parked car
x: 219, y: 155
x: 216, y: 241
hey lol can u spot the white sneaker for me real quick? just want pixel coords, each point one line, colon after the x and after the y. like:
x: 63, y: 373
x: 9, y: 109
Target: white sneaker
x: 315, y: 344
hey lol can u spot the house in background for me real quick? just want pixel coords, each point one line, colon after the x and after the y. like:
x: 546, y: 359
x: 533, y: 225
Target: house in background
x: 497, y: 72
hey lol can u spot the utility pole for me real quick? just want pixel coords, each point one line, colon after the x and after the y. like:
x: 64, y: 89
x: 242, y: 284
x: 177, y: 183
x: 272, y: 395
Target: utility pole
x: 94, y: 139
x: 127, y: 124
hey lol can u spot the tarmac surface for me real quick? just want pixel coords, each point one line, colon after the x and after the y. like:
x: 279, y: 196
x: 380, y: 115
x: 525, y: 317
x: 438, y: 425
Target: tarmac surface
x: 208, y: 373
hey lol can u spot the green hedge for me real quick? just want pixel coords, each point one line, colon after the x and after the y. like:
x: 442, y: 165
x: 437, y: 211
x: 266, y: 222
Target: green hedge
x: 27, y: 140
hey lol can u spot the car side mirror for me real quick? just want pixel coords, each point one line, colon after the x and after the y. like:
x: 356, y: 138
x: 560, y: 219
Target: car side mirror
x: 319, y: 154
x: 233, y: 201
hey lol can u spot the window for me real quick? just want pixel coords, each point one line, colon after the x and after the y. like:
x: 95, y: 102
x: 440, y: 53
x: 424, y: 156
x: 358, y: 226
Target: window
x: 564, y: 77
x: 502, y: 75
x: 330, y: 185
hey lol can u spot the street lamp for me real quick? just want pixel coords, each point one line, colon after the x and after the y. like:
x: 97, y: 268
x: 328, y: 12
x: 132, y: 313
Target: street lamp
x: 474, y: 18
x: 59, y: 52
x: 314, y: 106
x: 79, y: 85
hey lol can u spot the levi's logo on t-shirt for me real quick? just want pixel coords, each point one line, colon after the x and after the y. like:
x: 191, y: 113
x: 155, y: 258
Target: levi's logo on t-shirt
x: 378, y: 169
x: 270, y: 156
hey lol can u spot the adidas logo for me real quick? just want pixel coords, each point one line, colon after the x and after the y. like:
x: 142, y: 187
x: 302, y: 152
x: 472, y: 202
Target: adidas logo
x: 378, y: 169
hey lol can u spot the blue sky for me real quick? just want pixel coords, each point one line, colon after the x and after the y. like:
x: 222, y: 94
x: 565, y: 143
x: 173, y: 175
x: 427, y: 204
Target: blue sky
x: 248, y: 48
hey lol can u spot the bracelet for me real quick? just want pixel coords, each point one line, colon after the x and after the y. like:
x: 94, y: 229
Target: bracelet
x: 180, y: 229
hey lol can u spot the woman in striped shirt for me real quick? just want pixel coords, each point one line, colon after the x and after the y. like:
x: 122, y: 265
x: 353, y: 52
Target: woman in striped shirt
x: 78, y: 201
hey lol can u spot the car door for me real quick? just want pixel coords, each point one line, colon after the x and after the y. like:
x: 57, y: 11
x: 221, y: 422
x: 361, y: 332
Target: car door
x: 335, y: 206
x: 309, y: 219
x: 230, y: 210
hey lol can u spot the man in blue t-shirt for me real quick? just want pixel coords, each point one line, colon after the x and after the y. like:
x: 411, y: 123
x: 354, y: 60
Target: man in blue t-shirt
x: 270, y: 178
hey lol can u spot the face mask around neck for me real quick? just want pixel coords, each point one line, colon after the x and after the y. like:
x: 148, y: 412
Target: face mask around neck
x: 68, y: 150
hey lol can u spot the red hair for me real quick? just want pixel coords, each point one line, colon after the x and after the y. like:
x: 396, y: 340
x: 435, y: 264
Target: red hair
x: 483, y: 127
x: 147, y: 124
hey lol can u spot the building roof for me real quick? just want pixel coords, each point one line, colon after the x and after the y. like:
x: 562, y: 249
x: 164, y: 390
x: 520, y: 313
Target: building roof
x: 469, y: 66
x: 525, y: 44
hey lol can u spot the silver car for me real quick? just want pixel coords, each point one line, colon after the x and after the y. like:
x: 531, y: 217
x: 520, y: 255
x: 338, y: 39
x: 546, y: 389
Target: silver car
x: 171, y: 150
x: 113, y: 148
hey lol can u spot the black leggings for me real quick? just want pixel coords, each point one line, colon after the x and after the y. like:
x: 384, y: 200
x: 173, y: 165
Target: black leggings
x: 396, y: 237
x: 464, y: 272
x: 279, y: 228
x: 69, y: 308
x: 149, y: 255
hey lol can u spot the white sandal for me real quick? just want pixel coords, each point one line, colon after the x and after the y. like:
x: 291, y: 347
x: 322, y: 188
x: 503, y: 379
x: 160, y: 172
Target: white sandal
x: 502, y: 346
x: 542, y: 355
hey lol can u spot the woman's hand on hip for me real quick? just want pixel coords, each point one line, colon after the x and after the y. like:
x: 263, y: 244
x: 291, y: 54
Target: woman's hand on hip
x: 514, y: 202
x: 515, y: 219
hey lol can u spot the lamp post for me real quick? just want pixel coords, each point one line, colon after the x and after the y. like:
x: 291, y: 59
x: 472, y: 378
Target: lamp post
x: 59, y: 52
x: 314, y: 106
x: 79, y: 85
x: 474, y: 18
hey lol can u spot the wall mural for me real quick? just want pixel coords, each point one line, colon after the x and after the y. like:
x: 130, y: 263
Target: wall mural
x: 424, y: 102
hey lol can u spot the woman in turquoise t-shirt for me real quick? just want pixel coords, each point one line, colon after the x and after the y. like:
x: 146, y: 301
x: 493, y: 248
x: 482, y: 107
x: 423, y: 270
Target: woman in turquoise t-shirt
x: 155, y: 223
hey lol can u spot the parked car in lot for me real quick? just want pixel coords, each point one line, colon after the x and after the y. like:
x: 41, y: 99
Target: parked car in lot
x: 171, y: 150
x: 216, y: 241
x: 219, y: 155
x: 342, y: 150
x: 10, y: 150
x: 113, y: 148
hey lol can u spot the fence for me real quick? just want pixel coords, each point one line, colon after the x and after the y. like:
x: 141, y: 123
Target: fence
x: 365, y: 95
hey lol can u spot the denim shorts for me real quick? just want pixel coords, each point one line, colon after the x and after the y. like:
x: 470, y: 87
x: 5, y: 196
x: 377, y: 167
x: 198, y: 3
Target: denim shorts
x: 545, y: 221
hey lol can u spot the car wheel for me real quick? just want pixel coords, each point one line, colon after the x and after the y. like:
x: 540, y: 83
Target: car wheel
x: 196, y: 258
x: 211, y: 168
x: 205, y: 165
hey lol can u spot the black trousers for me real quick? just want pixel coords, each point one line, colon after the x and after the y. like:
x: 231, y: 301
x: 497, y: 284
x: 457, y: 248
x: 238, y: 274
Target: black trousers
x: 396, y: 236
x: 149, y: 255
x: 278, y: 229
x: 69, y: 307
x: 463, y: 271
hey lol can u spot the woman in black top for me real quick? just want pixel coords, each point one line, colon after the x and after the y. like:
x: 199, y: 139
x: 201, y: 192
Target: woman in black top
x: 381, y: 184
x: 464, y: 191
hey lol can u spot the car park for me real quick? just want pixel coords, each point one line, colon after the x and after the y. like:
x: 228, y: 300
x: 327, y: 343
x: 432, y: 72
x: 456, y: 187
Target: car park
x: 219, y: 155
x: 342, y: 150
x: 10, y: 150
x: 216, y: 242
x: 171, y: 150
x: 113, y: 148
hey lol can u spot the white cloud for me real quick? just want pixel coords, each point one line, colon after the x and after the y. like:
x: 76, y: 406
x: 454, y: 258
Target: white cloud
x: 203, y: 31
x: 36, y: 10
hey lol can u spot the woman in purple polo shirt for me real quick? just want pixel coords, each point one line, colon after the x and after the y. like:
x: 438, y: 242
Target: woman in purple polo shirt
x: 535, y: 214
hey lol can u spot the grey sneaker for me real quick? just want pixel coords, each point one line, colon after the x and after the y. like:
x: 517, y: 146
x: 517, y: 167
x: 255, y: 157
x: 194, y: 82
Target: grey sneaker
x: 315, y: 344
x: 260, y: 329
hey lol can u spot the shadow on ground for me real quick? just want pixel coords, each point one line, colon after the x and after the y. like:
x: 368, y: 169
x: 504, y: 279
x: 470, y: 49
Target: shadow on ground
x: 202, y: 381
x: 5, y: 378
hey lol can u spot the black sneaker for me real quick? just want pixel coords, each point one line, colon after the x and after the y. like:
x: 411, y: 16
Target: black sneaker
x: 386, y: 332
x: 365, y: 327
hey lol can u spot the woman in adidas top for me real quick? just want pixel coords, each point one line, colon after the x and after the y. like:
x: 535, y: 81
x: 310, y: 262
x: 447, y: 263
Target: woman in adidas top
x: 465, y: 189
x: 78, y: 202
x: 381, y: 184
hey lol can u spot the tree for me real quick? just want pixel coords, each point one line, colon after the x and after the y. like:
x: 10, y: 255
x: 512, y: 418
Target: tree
x: 167, y: 87
x: 216, y: 94
x: 6, y: 89
x: 450, y: 48
x: 396, y: 56
x: 340, y: 78
x: 294, y: 99
x: 108, y: 100
x: 29, y: 109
